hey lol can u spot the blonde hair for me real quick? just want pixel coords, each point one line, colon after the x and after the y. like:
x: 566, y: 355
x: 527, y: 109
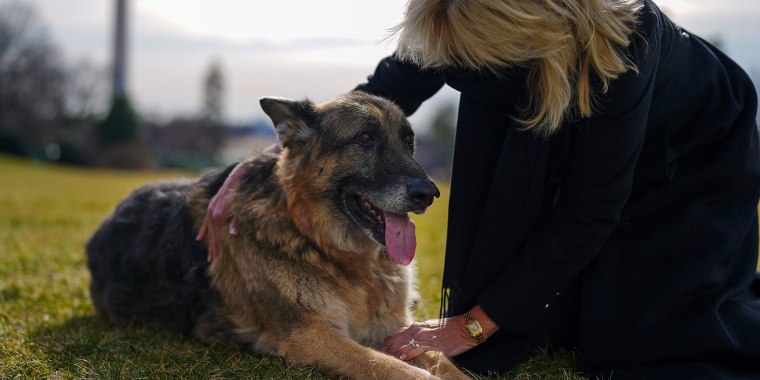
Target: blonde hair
x: 561, y: 41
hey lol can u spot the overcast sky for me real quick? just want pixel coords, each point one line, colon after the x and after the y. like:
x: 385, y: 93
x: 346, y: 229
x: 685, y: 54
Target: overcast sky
x: 293, y: 48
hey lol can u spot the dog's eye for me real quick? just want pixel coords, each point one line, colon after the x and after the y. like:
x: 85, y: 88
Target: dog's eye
x: 364, y: 138
x: 409, y: 139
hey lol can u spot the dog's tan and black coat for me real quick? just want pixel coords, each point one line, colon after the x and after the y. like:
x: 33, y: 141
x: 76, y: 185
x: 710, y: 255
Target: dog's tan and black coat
x: 307, y: 276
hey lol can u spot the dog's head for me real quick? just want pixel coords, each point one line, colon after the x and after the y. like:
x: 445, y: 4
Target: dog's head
x: 348, y: 172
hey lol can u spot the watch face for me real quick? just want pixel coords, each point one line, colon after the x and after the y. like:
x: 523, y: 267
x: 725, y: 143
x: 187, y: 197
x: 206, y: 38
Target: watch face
x: 473, y: 327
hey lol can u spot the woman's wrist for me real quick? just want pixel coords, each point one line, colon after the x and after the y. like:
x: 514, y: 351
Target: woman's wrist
x: 486, y: 323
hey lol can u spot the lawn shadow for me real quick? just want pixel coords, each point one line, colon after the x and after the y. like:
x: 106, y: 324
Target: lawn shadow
x: 87, y: 347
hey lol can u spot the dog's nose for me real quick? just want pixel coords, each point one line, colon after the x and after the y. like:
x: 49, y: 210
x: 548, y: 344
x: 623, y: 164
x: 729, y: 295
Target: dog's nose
x: 422, y: 191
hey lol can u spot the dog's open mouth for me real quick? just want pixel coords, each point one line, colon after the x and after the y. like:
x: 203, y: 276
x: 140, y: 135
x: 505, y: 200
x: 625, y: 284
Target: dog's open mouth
x: 395, y: 231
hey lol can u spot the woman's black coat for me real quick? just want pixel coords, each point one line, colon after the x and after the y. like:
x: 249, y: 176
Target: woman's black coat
x: 632, y: 234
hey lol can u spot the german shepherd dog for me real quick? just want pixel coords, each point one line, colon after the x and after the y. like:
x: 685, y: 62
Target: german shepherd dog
x: 317, y: 272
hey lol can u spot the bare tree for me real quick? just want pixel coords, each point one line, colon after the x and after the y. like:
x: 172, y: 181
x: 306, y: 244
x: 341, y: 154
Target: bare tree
x: 31, y: 80
x: 213, y: 93
x: 86, y: 90
x: 443, y: 130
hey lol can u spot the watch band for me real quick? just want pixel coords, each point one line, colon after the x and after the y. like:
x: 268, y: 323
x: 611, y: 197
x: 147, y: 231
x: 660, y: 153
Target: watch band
x: 473, y: 328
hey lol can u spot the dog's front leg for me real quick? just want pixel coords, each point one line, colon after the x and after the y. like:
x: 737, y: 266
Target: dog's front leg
x: 321, y: 345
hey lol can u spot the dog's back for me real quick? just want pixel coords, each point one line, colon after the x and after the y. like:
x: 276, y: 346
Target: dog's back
x: 146, y: 266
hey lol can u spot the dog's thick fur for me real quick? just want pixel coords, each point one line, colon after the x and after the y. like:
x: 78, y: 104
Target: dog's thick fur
x: 307, y: 276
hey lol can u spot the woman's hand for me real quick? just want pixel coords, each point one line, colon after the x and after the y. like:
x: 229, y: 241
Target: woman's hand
x: 448, y: 336
x: 217, y: 214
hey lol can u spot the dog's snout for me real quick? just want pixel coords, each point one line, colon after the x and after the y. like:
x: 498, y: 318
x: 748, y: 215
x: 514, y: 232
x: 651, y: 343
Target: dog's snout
x: 422, y: 191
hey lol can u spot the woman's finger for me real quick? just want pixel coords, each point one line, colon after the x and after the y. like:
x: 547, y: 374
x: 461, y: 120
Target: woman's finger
x: 404, y: 332
x: 398, y: 339
x: 213, y: 244
x: 409, y: 352
x: 394, y: 343
x: 204, y: 229
x: 390, y: 343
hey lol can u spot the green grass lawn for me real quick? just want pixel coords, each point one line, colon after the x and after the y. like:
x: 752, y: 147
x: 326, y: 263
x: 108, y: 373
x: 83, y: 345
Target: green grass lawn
x: 48, y: 327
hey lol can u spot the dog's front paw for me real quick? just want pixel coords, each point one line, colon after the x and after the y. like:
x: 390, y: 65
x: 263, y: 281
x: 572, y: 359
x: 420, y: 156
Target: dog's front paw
x: 440, y: 366
x: 448, y: 371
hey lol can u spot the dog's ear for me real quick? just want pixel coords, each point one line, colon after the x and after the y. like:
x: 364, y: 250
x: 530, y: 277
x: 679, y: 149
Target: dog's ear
x: 293, y: 120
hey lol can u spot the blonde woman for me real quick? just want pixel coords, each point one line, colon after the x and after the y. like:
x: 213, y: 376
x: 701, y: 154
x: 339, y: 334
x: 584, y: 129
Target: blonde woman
x: 604, y: 190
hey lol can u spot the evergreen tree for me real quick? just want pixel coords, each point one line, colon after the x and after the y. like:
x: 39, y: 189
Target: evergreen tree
x: 121, y: 124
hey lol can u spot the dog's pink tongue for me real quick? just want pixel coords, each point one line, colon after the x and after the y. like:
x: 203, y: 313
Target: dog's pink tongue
x: 400, y: 239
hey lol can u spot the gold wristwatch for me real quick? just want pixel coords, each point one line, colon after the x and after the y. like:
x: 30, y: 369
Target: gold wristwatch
x: 474, y: 328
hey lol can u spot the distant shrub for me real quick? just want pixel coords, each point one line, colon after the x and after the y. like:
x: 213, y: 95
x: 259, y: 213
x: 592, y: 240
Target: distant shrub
x: 10, y: 143
x: 73, y: 154
x: 126, y: 155
x: 121, y: 124
x: 119, y: 138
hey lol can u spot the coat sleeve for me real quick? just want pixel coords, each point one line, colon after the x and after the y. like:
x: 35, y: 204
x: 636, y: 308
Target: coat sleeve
x: 596, y: 184
x: 402, y: 82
